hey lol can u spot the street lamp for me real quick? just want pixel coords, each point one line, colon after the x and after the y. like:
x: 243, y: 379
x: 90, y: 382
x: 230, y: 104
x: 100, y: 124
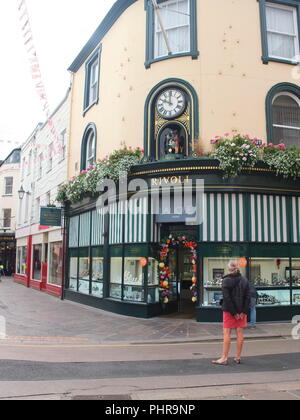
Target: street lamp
x: 21, y: 193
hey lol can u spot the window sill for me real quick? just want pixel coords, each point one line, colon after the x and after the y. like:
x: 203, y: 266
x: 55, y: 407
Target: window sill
x: 267, y: 60
x: 7, y: 195
x: 90, y: 106
x: 193, y: 54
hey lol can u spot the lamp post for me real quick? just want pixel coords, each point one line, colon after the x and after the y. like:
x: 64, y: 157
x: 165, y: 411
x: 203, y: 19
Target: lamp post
x: 21, y: 193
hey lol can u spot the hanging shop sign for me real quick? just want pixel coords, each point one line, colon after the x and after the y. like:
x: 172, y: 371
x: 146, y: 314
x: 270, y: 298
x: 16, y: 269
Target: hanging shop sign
x: 50, y: 216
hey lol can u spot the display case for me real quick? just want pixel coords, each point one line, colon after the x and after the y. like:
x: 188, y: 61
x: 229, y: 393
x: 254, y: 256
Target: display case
x: 270, y: 272
x: 134, y: 294
x: 84, y: 273
x: 296, y: 297
x: 97, y: 272
x: 133, y: 279
x: 116, y: 268
x: 273, y: 297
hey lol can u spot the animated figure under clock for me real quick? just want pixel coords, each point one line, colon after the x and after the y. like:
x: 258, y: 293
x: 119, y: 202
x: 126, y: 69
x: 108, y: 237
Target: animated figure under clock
x: 173, y: 143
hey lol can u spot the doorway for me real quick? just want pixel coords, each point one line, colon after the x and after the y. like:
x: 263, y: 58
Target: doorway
x: 181, y: 267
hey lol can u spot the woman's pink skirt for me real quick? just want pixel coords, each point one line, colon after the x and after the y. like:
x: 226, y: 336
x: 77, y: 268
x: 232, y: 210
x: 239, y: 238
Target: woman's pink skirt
x: 229, y: 321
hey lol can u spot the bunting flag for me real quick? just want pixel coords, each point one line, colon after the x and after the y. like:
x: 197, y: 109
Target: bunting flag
x: 36, y: 72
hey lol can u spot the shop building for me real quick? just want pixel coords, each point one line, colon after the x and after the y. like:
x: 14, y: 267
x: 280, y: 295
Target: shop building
x: 9, y: 181
x: 43, y: 168
x: 222, y: 78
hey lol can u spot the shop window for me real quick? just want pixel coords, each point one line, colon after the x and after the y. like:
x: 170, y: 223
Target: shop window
x: 21, y: 260
x: 273, y: 297
x: 133, y: 280
x: 116, y: 269
x: 37, y: 262
x: 214, y: 269
x: 280, y: 31
x: 270, y: 272
x: 97, y: 272
x: 153, y: 281
x: 295, y: 281
x: 171, y: 31
x: 55, y: 264
x: 84, y: 272
x: 73, y: 270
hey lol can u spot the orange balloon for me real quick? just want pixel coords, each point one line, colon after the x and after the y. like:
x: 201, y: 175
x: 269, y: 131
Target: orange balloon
x: 243, y: 262
x: 143, y: 262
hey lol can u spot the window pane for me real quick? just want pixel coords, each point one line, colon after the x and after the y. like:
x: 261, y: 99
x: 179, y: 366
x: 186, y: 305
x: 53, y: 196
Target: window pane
x: 84, y: 273
x: 116, y: 277
x: 55, y: 264
x: 282, y: 46
x: 273, y: 297
x: 175, y: 16
x: 9, y: 186
x: 97, y: 276
x: 280, y: 20
x: 296, y: 273
x: 289, y: 137
x: 73, y: 273
x: 286, y: 111
x: 270, y: 272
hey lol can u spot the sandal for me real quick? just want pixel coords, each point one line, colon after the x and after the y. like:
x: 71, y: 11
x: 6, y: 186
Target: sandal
x: 225, y: 363
x: 237, y: 361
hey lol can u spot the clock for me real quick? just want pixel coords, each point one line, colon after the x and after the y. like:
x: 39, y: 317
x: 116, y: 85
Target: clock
x: 171, y: 103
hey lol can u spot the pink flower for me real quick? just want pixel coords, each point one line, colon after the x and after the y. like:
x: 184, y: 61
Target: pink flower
x: 271, y: 144
x: 217, y: 137
x: 213, y: 141
x: 247, y: 137
x: 83, y: 172
x: 130, y: 148
x: 226, y: 134
x: 264, y: 145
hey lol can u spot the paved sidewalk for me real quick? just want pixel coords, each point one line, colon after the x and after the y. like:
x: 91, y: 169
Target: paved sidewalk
x: 37, y: 317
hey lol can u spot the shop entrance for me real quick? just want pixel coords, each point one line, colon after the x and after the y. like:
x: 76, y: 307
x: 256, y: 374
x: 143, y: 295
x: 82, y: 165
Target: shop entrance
x: 181, y: 267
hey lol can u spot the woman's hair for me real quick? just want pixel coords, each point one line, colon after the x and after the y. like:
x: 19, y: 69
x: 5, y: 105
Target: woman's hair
x: 233, y: 266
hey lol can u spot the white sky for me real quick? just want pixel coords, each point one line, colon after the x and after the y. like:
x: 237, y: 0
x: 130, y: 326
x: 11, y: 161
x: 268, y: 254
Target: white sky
x: 60, y: 30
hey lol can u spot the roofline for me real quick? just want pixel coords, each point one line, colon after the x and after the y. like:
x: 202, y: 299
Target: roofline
x: 17, y: 149
x: 112, y: 16
x: 57, y: 108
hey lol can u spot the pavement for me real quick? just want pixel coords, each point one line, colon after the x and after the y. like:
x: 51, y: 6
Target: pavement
x: 32, y: 315
x: 57, y: 349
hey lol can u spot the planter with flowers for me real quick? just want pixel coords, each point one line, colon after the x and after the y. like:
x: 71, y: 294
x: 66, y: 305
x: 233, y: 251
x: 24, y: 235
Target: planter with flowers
x: 111, y: 167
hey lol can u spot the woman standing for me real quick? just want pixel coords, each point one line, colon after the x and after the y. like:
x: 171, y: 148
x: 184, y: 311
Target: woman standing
x: 236, y: 302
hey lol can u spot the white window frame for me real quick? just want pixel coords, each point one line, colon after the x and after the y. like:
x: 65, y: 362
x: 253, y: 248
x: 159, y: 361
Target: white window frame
x: 5, y: 186
x: 158, y: 30
x: 90, y: 160
x: 94, y: 83
x: 296, y: 99
x: 295, y: 35
x: 3, y: 218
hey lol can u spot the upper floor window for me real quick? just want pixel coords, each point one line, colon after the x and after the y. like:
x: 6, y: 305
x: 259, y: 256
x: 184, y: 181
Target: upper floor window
x: 50, y: 157
x: 88, y: 151
x: 92, y: 68
x: 286, y: 119
x: 63, y: 144
x: 8, y: 185
x: 171, y: 29
x: 283, y: 114
x: 280, y: 31
x: 6, y: 215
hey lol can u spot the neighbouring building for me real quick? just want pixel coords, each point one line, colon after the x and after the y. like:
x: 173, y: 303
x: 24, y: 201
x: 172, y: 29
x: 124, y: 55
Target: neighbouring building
x: 9, y: 182
x: 230, y: 68
x: 43, y: 169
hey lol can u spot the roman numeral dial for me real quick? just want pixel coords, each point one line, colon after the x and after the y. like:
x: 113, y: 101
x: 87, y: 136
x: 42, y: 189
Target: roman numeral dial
x: 171, y: 103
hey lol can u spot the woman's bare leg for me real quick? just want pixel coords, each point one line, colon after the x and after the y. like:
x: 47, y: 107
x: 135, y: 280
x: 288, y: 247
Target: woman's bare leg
x: 240, y: 342
x: 226, y: 345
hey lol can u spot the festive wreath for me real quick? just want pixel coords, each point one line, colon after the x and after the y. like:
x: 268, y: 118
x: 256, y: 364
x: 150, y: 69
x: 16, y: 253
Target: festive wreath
x: 164, y: 270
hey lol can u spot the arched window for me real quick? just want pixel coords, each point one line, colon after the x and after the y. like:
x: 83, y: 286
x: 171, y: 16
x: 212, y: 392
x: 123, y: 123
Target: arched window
x: 88, y: 149
x: 283, y: 115
x: 286, y: 119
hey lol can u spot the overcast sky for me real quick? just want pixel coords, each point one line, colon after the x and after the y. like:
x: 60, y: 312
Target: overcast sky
x: 60, y: 30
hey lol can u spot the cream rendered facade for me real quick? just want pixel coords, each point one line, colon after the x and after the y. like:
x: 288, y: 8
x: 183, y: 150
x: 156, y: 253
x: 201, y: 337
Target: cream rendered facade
x: 229, y: 77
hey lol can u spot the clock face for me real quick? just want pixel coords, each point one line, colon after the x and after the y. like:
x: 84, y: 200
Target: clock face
x: 171, y: 103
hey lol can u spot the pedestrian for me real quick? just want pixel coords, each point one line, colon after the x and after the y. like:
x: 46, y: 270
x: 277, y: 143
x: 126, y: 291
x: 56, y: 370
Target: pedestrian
x: 253, y: 303
x: 236, y: 303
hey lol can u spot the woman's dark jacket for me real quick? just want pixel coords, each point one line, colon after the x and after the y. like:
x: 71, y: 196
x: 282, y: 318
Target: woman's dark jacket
x: 236, y: 294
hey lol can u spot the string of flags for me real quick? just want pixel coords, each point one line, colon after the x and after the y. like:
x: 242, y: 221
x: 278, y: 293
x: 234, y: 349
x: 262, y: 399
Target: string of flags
x: 56, y: 146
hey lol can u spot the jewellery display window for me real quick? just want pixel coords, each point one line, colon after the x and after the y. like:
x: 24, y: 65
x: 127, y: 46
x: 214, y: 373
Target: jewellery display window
x: 84, y: 272
x: 153, y: 281
x: 273, y: 297
x: 133, y: 272
x: 97, y: 272
x: 116, y: 266
x: 73, y: 270
x: 296, y: 297
x: 295, y: 272
x: 270, y: 272
x: 134, y: 294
